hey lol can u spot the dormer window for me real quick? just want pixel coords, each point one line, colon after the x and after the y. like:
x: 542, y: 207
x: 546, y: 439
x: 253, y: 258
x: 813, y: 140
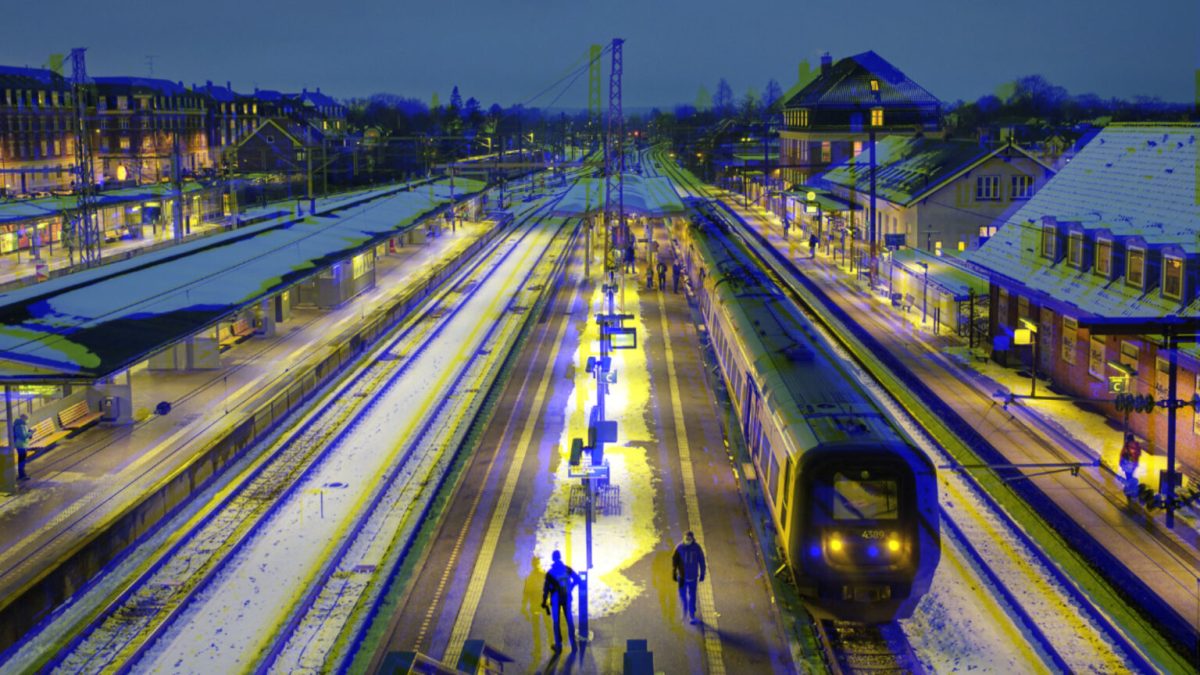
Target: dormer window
x: 1103, y: 258
x: 1075, y: 250
x: 1048, y: 235
x: 803, y: 117
x: 874, y: 85
x: 1136, y: 268
x: 1172, y: 281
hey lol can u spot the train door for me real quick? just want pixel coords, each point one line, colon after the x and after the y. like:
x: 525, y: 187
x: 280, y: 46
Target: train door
x: 751, y: 426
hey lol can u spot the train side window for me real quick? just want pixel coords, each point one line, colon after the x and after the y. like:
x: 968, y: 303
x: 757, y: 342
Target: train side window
x: 787, y: 481
x: 774, y: 477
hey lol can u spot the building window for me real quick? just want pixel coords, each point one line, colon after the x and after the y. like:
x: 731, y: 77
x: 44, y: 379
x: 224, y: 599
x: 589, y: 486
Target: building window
x: 1172, y: 281
x: 1136, y: 267
x: 987, y: 188
x: 1022, y: 187
x: 1130, y: 351
x: 1097, y: 354
x: 1103, y: 258
x: 1069, y: 328
x: 876, y: 117
x: 122, y: 103
x: 124, y: 142
x: 1048, y: 235
x: 1075, y: 250
x: 826, y: 152
x: 874, y: 85
x: 803, y: 117
x: 857, y: 147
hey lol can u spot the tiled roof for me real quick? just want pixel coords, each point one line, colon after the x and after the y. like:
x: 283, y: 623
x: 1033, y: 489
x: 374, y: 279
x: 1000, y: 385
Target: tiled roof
x: 906, y: 167
x: 14, y: 76
x: 165, y: 87
x: 1130, y: 180
x: 847, y: 83
x: 318, y: 99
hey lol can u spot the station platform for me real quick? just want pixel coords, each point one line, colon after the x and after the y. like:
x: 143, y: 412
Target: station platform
x: 1031, y: 431
x: 80, y: 486
x: 481, y: 577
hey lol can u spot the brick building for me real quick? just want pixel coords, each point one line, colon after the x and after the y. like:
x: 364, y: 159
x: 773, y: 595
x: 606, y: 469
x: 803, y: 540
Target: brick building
x: 37, y: 131
x: 1113, y: 238
x: 139, y: 121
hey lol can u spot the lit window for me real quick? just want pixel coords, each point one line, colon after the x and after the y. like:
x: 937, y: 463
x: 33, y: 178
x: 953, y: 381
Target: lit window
x: 804, y: 118
x: 1022, y: 187
x: 1075, y: 250
x: 826, y: 151
x: 1048, y: 235
x: 1103, y: 258
x: 874, y: 85
x: 124, y: 142
x: 857, y: 147
x: 876, y: 117
x: 1130, y: 352
x: 1172, y: 283
x: 1135, y: 268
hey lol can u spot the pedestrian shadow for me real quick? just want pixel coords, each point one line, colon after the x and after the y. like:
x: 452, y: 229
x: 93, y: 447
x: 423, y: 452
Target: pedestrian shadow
x: 531, y: 609
x: 743, y: 642
x: 666, y: 589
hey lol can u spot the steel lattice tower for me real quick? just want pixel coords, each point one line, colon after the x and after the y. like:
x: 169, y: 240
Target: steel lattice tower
x: 614, y: 151
x: 84, y: 235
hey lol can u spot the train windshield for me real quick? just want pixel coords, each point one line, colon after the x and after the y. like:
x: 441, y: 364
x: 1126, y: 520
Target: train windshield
x: 855, y: 499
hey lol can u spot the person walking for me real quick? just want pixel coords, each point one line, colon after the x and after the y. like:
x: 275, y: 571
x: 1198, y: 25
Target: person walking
x: 676, y: 268
x: 662, y: 275
x: 21, y: 435
x: 560, y: 581
x: 1131, y: 453
x: 629, y: 258
x: 689, y: 568
x: 812, y: 245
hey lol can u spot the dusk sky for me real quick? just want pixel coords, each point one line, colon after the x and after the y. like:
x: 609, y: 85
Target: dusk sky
x: 508, y: 50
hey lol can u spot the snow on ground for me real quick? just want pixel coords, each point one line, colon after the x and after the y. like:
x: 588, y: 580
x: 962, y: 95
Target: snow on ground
x: 227, y: 627
x: 632, y: 535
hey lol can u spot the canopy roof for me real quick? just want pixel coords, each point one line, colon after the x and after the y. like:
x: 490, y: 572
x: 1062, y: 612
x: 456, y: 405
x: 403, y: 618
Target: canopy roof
x: 646, y: 196
x: 88, y: 325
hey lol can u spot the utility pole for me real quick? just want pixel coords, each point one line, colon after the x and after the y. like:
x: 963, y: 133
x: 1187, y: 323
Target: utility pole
x: 177, y: 181
x: 84, y: 235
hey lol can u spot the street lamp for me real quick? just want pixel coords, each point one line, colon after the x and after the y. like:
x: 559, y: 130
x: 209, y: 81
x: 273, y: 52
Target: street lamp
x: 924, y: 292
x: 1030, y: 330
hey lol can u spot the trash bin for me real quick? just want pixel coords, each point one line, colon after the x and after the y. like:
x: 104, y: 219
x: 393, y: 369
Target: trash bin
x: 110, y: 409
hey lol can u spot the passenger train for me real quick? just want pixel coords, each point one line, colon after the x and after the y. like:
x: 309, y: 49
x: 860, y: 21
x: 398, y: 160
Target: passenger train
x: 854, y: 504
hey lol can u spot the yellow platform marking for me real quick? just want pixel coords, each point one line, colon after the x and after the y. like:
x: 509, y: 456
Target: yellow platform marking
x: 483, y: 564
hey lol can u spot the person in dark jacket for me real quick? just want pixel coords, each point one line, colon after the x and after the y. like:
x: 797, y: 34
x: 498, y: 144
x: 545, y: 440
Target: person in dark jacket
x: 21, y: 436
x: 662, y: 275
x: 629, y: 259
x: 556, y: 590
x: 689, y: 569
x: 676, y: 268
x: 812, y: 245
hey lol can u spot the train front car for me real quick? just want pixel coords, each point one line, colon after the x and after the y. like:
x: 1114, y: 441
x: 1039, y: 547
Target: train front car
x: 866, y: 541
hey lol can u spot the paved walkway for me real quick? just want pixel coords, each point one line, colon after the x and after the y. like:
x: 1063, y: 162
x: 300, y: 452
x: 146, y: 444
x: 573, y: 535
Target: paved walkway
x: 1033, y: 431
x: 85, y: 482
x: 482, y: 578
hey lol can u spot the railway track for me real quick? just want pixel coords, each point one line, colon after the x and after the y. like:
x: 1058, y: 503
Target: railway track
x: 1061, y: 628
x: 114, y: 637
x: 856, y: 648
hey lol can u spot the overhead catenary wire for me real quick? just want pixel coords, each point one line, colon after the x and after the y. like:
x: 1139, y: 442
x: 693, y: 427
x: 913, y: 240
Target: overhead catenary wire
x: 571, y: 75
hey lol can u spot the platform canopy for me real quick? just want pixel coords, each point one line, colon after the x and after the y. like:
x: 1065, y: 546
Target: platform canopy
x: 654, y: 197
x: 88, y: 325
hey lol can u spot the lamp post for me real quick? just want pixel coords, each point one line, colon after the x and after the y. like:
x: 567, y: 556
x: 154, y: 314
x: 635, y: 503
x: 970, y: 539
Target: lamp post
x: 1033, y: 332
x: 924, y: 292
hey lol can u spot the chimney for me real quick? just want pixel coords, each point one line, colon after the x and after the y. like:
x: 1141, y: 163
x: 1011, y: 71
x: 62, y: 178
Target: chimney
x: 826, y: 63
x: 209, y: 83
x: 228, y: 85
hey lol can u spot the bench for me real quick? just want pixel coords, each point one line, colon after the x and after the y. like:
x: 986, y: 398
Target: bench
x: 240, y: 330
x: 78, y: 416
x: 45, y: 435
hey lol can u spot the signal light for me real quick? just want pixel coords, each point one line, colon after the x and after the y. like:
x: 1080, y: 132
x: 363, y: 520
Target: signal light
x: 893, y: 545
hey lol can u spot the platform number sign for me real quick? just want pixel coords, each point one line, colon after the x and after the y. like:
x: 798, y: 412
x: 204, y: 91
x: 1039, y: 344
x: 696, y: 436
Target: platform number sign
x: 1118, y: 384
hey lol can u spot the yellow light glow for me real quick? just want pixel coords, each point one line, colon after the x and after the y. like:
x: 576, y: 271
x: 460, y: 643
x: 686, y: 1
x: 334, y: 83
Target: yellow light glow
x: 893, y: 545
x: 835, y: 544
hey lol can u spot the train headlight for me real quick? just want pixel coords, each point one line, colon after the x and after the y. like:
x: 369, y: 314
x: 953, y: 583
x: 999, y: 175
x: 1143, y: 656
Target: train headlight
x: 893, y: 545
x: 835, y: 544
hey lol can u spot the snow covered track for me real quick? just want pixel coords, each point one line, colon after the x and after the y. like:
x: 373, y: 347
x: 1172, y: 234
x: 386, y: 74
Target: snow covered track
x: 1047, y: 620
x: 293, y: 477
x: 858, y: 648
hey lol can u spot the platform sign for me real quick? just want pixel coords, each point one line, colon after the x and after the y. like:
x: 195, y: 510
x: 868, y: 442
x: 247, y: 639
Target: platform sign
x: 1118, y: 384
x: 893, y: 240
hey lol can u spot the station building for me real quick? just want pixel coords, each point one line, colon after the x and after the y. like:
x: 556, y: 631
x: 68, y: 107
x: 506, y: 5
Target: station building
x: 1102, y: 263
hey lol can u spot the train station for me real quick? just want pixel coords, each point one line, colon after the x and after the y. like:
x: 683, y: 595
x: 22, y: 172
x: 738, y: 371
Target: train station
x: 833, y: 376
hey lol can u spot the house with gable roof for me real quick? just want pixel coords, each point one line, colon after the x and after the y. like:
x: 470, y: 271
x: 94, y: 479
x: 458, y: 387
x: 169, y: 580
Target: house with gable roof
x: 1112, y: 239
x: 936, y: 193
x: 828, y: 120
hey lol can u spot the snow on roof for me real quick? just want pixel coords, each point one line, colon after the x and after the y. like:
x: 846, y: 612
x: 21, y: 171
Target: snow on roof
x: 907, y: 167
x: 1133, y: 181
x: 87, y: 325
x: 847, y: 83
x: 647, y: 196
